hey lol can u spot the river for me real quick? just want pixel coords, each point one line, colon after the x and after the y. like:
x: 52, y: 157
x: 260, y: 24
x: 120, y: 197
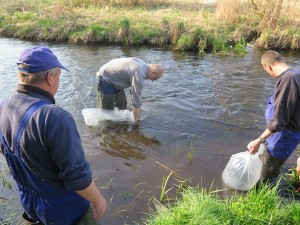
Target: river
x: 202, y: 111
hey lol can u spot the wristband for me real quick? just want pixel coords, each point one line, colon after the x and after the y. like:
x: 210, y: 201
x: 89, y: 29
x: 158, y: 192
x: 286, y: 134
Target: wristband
x: 262, y: 140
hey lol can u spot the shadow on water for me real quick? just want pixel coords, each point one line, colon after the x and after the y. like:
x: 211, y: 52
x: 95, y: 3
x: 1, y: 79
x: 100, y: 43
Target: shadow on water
x: 127, y: 141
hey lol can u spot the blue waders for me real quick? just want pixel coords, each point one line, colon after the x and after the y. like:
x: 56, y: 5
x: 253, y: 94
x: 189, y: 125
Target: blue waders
x: 282, y: 143
x: 279, y: 145
x: 41, y: 201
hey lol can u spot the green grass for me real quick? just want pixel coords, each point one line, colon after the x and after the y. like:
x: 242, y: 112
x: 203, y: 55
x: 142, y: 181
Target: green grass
x: 200, y: 206
x: 181, y: 26
x: 240, y: 48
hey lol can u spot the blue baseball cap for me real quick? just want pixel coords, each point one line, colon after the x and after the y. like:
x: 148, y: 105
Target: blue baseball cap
x: 38, y: 58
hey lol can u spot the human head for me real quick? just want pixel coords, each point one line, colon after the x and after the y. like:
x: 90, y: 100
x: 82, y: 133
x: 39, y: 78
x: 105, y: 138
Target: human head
x: 38, y: 66
x: 155, y: 72
x: 271, y: 58
x: 273, y: 63
x: 38, y: 58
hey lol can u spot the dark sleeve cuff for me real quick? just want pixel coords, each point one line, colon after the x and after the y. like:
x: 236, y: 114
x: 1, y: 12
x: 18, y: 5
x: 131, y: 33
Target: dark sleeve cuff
x: 272, y: 129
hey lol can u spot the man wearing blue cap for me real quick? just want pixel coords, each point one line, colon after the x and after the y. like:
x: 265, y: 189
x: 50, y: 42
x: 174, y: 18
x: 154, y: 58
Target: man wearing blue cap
x: 43, y: 150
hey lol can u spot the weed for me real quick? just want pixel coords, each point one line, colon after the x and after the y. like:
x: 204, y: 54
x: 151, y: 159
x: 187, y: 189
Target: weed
x: 185, y: 42
x: 164, y: 191
x: 240, y: 48
x: 191, y: 154
x: 201, y: 206
x: 175, y: 22
x: 124, y: 32
x: 219, y: 46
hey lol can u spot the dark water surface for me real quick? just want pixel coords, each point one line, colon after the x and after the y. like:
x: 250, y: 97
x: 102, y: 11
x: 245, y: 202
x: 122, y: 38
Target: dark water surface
x: 206, y: 107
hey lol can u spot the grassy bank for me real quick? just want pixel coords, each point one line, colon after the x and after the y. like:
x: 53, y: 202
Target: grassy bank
x: 180, y: 204
x: 199, y: 206
x: 222, y: 27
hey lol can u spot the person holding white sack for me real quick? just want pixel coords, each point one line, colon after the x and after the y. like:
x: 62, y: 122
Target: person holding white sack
x: 282, y: 115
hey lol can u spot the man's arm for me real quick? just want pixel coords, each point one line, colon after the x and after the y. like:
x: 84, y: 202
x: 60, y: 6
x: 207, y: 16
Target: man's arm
x: 74, y: 170
x: 253, y: 146
x: 92, y: 194
x: 136, y: 114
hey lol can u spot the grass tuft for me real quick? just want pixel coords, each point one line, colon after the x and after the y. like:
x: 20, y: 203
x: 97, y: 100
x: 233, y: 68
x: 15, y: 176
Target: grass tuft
x: 201, y: 206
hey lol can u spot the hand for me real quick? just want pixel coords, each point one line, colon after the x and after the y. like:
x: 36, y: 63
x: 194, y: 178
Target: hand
x: 298, y: 167
x: 99, y: 208
x: 136, y: 114
x: 92, y: 194
x: 253, y: 146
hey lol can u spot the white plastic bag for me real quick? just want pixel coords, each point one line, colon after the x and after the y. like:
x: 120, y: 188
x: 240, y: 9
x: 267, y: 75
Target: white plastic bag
x: 93, y: 115
x: 242, y: 171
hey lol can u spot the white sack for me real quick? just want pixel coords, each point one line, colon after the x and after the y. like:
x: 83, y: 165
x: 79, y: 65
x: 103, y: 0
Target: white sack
x: 242, y: 171
x: 93, y: 115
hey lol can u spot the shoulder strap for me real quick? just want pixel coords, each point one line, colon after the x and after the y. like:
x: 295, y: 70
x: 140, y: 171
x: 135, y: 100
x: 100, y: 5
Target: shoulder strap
x: 24, y: 122
x: 3, y: 142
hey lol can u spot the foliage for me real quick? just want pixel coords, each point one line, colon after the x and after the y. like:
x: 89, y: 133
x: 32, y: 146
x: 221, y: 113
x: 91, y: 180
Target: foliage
x: 240, y: 48
x: 220, y: 46
x: 185, y: 42
x: 197, y: 206
x: 200, y: 206
x: 164, y: 190
x: 124, y: 32
x: 225, y: 27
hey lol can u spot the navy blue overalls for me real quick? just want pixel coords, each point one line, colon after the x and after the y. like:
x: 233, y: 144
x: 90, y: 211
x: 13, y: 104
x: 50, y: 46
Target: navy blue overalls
x: 41, y: 200
x: 282, y: 143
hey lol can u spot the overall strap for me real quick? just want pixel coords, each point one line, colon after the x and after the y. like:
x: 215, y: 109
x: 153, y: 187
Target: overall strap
x: 23, y: 124
x: 6, y: 148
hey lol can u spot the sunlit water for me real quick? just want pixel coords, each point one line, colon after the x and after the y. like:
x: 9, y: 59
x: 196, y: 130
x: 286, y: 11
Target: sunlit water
x: 201, y: 112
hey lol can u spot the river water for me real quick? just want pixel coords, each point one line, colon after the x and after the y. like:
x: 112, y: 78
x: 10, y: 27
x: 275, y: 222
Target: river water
x: 202, y: 111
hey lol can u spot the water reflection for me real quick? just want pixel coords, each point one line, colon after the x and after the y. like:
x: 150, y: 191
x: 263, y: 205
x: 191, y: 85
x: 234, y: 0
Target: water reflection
x: 127, y: 141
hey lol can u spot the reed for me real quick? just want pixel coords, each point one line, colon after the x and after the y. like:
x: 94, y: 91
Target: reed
x: 164, y: 191
x: 228, y: 10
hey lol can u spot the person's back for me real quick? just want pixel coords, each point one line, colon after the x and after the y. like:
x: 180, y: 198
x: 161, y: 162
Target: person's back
x: 43, y: 130
x: 42, y: 146
x: 119, y: 74
x: 124, y: 72
x: 282, y: 114
x: 288, y: 91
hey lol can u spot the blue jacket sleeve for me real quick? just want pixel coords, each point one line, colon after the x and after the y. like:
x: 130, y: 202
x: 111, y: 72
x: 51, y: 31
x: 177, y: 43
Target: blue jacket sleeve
x: 68, y: 155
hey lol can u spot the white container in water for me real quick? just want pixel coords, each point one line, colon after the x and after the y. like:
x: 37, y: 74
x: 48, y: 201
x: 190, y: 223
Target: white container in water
x: 243, y: 171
